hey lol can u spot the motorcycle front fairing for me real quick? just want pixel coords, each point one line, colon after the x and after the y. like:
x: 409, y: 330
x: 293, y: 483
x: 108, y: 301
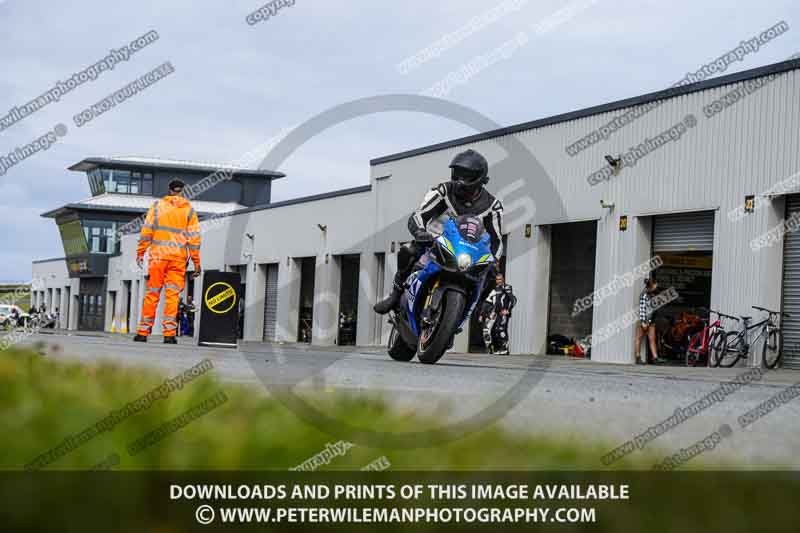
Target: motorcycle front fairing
x: 452, y: 263
x: 416, y: 281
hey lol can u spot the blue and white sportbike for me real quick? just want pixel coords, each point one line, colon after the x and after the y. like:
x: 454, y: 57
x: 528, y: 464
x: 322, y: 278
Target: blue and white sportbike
x: 441, y: 292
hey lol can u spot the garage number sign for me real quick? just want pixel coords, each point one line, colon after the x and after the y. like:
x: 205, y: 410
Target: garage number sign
x: 749, y: 204
x: 623, y: 223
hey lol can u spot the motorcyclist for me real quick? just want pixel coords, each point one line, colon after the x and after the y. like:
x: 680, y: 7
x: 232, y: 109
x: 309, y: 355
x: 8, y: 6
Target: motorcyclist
x: 464, y: 194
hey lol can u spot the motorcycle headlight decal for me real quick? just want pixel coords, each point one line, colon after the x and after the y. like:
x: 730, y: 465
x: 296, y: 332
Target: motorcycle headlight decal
x: 448, y: 245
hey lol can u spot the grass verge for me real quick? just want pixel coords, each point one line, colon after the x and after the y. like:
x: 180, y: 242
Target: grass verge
x: 44, y: 402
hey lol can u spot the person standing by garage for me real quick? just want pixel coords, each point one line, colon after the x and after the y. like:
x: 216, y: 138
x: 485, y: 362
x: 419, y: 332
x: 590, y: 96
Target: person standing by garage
x: 171, y: 236
x: 647, y: 325
x: 496, y: 314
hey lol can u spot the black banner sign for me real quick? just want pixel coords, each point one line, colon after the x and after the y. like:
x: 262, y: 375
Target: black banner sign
x: 219, y: 317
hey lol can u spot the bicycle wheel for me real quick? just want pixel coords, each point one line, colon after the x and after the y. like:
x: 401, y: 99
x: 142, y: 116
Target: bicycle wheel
x: 734, y: 350
x: 717, y: 347
x: 773, y: 348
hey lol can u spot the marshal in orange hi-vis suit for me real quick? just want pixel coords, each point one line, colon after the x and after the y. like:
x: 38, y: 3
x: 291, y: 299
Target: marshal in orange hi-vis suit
x: 171, y: 235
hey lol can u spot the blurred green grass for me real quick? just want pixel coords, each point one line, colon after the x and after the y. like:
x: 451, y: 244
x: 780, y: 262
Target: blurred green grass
x: 43, y: 401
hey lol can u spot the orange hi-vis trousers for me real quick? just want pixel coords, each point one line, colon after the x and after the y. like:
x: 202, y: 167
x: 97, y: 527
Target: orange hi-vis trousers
x: 171, y: 277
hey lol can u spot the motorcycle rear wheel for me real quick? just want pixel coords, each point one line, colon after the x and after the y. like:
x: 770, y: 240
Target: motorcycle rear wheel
x: 436, y: 342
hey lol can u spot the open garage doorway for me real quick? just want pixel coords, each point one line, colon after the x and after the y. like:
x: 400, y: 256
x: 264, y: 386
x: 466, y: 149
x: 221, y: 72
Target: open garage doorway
x: 791, y: 288
x: 241, y: 298
x: 349, y: 266
x: 573, y: 251
x: 305, y: 317
x: 270, y: 301
x: 685, y: 244
x: 128, y: 295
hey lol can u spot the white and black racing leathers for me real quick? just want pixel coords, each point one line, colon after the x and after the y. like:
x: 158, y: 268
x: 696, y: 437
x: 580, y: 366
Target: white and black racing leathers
x: 440, y: 201
x: 496, y: 313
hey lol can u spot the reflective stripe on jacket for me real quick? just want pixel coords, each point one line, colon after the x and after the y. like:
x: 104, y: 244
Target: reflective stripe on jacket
x: 171, y: 231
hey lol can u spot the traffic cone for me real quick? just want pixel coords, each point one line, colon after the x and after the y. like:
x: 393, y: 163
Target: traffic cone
x: 113, y: 324
x: 124, y: 327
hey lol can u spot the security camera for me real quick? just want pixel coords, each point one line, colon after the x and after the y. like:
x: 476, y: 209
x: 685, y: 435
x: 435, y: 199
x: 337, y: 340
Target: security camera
x: 322, y: 227
x: 250, y: 236
x: 615, y: 163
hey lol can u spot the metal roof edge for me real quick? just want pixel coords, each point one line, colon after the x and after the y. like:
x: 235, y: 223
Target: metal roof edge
x: 51, y: 260
x: 301, y: 200
x: 174, y: 166
x: 110, y: 208
x: 671, y: 92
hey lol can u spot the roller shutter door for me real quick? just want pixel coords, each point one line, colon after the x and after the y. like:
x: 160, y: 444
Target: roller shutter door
x: 271, y: 303
x: 791, y: 289
x: 684, y: 231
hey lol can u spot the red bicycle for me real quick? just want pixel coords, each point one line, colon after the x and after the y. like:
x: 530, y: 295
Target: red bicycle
x: 711, y: 340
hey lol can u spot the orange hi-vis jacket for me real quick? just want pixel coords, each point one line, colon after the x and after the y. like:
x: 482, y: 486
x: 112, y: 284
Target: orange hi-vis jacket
x: 171, y: 232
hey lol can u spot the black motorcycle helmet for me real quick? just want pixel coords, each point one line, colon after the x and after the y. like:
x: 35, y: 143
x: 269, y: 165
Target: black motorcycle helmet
x: 469, y: 172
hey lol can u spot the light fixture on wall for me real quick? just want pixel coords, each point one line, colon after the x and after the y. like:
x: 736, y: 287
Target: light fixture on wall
x: 322, y: 227
x: 252, y: 238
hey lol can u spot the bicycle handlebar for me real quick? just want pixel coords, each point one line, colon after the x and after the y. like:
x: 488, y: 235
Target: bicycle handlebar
x: 779, y: 313
x: 724, y: 315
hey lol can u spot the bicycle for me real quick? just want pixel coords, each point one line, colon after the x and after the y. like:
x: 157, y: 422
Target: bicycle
x: 674, y: 340
x: 707, y: 345
x: 738, y: 343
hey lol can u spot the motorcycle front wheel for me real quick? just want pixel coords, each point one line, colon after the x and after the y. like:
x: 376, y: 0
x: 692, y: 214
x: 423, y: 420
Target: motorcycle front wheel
x: 435, y: 339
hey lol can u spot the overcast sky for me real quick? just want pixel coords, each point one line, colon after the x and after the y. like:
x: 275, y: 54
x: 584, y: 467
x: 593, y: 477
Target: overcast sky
x: 236, y: 85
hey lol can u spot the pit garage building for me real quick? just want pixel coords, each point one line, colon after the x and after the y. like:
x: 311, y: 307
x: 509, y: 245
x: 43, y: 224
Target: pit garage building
x: 700, y: 176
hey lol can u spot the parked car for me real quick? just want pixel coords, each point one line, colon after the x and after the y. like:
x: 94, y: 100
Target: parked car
x: 7, y: 316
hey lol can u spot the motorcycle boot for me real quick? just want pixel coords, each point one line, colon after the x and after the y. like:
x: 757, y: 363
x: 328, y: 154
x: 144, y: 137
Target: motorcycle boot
x: 390, y: 302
